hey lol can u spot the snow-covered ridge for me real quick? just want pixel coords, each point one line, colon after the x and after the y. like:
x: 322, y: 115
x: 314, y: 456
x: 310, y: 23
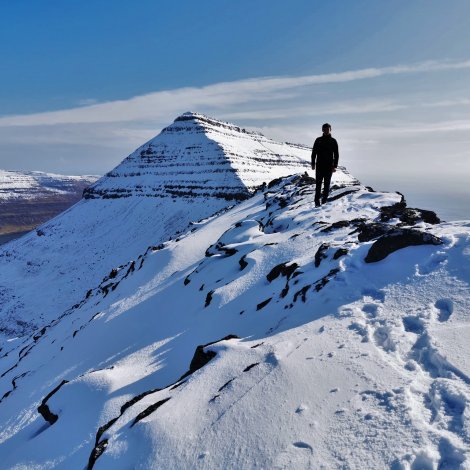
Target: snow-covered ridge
x: 198, y: 156
x: 338, y: 339
x: 31, y: 184
x: 192, y: 169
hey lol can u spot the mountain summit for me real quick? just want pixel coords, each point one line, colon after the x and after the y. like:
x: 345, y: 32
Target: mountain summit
x: 198, y: 156
x: 272, y: 334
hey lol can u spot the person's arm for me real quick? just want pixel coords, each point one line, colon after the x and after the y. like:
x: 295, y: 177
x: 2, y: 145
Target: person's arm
x: 335, y: 156
x: 314, y: 154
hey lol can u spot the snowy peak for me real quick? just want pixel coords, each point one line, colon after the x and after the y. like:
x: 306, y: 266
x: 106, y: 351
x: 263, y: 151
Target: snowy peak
x: 33, y: 184
x: 30, y: 198
x: 200, y: 157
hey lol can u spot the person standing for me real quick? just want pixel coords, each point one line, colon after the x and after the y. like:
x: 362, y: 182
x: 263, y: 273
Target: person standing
x: 324, y: 161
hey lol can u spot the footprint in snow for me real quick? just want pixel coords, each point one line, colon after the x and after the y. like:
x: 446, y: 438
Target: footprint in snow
x: 413, y: 324
x: 446, y: 308
x: 370, y: 309
x: 299, y: 454
x: 432, y: 264
x: 303, y: 445
x: 375, y: 294
x: 382, y: 337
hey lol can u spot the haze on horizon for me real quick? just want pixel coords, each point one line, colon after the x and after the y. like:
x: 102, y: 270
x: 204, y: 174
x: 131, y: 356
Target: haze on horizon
x: 83, y: 85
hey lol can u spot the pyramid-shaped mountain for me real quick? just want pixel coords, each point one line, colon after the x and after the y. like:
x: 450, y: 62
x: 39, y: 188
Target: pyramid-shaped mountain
x: 197, y: 156
x: 194, y: 168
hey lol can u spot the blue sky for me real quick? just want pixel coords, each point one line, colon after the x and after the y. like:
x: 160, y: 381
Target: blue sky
x: 83, y: 83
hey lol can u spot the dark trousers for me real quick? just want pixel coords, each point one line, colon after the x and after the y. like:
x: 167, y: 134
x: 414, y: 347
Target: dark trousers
x: 322, y: 176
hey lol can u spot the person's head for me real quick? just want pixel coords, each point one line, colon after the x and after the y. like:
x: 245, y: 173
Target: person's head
x: 326, y: 129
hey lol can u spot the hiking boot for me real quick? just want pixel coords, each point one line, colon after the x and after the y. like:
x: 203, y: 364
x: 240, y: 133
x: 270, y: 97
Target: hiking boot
x: 323, y: 201
x: 317, y: 203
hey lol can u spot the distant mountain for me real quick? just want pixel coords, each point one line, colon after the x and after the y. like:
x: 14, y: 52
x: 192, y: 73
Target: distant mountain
x: 189, y: 316
x: 28, y: 199
x: 201, y: 157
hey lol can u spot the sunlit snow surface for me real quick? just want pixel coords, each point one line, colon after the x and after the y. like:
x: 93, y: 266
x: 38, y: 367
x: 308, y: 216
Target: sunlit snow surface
x: 31, y: 184
x: 339, y: 364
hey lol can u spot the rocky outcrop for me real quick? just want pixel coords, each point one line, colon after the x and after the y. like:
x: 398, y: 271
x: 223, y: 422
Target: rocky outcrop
x: 398, y: 239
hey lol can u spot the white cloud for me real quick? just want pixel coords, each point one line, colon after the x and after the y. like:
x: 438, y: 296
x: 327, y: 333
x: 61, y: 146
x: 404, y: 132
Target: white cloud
x: 161, y: 105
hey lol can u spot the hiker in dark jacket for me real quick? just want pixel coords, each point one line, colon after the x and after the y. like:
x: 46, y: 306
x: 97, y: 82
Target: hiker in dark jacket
x: 324, y: 161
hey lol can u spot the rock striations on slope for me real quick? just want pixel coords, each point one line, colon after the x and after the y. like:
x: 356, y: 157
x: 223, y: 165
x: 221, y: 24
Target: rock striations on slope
x: 273, y: 335
x: 197, y: 156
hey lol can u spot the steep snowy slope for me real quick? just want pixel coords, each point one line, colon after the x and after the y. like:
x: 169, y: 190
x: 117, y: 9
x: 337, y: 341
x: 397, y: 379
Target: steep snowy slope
x: 28, y: 199
x: 349, y: 330
x: 194, y: 168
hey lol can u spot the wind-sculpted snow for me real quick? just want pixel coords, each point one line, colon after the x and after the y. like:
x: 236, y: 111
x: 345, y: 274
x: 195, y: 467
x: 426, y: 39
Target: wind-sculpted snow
x: 326, y: 361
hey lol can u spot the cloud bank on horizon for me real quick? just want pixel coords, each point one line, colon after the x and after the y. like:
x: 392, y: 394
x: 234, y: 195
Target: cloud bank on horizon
x: 401, y: 117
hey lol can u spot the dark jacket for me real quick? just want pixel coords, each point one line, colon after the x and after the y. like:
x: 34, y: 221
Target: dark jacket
x: 325, y: 153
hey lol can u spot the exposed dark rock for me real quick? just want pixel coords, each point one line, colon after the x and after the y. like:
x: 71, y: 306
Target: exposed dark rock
x: 96, y: 452
x: 319, y: 285
x: 246, y: 369
x: 143, y: 414
x: 201, y: 357
x: 336, y: 225
x: 368, y: 232
x: 186, y: 280
x: 344, y: 193
x: 281, y: 269
x: 44, y: 410
x: 285, y: 291
x: 131, y: 269
x: 340, y: 252
x: 40, y: 233
x: 242, y: 262
x: 13, y: 383
x: 398, y: 239
x: 411, y: 216
x: 305, y: 180
x: 113, y: 273
x: 263, y: 304
x: 274, y: 182
x: 320, y: 254
x: 208, y: 252
x: 208, y: 298
x: 226, y: 384
x: 41, y: 333
x: 220, y: 248
x: 302, y: 292
x: 408, y: 216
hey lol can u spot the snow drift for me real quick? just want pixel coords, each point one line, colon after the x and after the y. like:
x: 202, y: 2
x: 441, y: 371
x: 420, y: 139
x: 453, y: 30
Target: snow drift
x: 272, y: 334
